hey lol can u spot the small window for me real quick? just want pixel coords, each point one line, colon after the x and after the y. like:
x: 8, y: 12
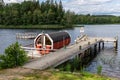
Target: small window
x: 47, y: 41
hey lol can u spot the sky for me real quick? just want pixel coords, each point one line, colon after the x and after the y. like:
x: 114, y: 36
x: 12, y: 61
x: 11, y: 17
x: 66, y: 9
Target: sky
x: 93, y: 7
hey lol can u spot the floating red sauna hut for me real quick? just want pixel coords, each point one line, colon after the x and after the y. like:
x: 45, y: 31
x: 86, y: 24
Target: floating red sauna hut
x: 55, y: 40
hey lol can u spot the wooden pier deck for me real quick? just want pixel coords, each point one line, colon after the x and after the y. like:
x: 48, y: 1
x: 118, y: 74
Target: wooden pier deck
x: 56, y: 58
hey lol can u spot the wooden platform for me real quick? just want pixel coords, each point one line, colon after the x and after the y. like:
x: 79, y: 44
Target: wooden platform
x: 56, y: 58
x: 26, y: 35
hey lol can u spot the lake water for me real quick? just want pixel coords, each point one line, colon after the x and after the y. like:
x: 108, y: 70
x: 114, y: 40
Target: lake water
x: 108, y: 58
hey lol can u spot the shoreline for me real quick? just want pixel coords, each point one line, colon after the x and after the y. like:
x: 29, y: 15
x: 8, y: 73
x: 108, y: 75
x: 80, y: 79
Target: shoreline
x: 20, y: 73
x: 46, y: 26
x: 49, y: 26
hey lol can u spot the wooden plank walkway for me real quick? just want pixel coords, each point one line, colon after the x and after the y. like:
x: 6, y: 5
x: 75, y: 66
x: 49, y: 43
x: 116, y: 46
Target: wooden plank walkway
x: 56, y: 58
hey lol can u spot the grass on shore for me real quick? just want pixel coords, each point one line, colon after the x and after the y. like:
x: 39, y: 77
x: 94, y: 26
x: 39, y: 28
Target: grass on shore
x: 28, y: 74
x: 33, y: 27
x: 65, y: 76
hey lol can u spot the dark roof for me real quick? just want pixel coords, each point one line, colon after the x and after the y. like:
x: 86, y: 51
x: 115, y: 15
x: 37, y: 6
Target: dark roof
x: 59, y: 36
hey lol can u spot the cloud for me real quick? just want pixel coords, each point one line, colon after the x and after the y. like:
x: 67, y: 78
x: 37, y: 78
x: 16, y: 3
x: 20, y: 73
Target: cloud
x: 96, y: 1
x: 93, y: 6
x: 12, y: 1
x: 87, y: 6
x: 86, y: 2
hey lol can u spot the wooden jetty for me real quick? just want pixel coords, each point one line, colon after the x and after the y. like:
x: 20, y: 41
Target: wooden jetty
x: 89, y: 46
x: 26, y: 35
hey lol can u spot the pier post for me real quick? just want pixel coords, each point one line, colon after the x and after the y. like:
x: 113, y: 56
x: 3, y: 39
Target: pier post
x: 95, y: 49
x: 103, y: 45
x: 99, y: 48
x: 79, y: 55
x: 87, y: 52
x: 116, y: 43
x: 90, y: 51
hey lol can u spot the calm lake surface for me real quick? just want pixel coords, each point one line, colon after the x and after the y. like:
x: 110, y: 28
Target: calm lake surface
x: 108, y: 58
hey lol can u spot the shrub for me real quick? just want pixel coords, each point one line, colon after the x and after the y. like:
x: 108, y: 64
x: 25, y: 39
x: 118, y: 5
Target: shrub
x: 99, y: 69
x: 68, y: 67
x: 14, y: 56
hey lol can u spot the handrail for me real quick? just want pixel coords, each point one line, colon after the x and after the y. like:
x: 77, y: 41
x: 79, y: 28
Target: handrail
x: 30, y: 48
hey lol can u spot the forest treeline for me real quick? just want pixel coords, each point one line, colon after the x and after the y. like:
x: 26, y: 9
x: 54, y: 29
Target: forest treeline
x: 96, y: 19
x: 47, y: 12
x: 28, y: 12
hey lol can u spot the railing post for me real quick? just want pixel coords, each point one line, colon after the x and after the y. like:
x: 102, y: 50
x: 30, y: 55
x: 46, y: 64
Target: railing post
x: 95, y: 39
x: 80, y: 47
x: 32, y: 55
x: 88, y: 43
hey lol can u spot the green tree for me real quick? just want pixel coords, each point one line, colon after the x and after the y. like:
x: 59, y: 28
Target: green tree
x: 68, y: 18
x: 1, y: 16
x: 48, y: 12
x: 15, y: 17
x: 36, y: 17
x: 29, y: 17
x: 14, y: 56
x: 24, y: 19
x: 50, y: 17
x: 39, y: 15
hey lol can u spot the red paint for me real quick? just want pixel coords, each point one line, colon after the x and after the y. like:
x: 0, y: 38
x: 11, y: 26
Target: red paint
x: 60, y: 44
x: 48, y: 47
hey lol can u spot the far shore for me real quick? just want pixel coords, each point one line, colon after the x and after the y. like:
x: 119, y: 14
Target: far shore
x: 49, y: 26
x: 46, y: 26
